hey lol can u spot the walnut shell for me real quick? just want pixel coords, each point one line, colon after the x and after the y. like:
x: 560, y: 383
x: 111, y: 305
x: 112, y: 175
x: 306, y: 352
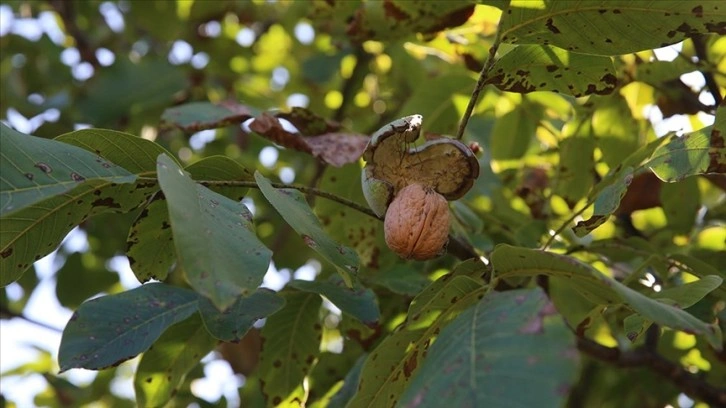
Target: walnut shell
x: 417, y: 223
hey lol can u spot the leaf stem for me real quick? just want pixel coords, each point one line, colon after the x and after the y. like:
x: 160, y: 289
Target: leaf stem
x: 483, y: 76
x: 305, y: 189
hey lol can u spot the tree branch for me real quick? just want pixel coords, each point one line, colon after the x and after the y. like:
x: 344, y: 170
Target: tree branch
x: 9, y: 314
x: 700, y: 47
x: 688, y: 382
x: 483, y: 76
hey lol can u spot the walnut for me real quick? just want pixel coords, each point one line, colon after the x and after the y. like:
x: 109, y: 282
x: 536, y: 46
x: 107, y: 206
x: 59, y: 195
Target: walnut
x: 417, y: 223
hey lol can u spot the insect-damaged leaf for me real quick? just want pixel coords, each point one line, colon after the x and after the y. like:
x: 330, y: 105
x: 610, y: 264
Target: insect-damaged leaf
x: 485, y: 354
x: 529, y: 68
x: 391, y: 365
x: 153, y: 225
x: 291, y: 344
x: 35, y: 231
x: 700, y: 152
x: 609, y: 27
x: 214, y: 238
x: 297, y: 213
x: 111, y: 329
x: 606, y: 202
x: 34, y: 169
x: 514, y: 261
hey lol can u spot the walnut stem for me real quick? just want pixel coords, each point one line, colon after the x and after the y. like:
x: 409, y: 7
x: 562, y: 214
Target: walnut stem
x: 483, y: 76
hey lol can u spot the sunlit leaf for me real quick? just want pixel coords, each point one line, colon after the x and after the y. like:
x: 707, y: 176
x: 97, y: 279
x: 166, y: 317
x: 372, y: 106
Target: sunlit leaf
x: 484, y: 355
x: 111, y: 329
x: 529, y: 68
x: 512, y: 261
x: 608, y: 28
x: 606, y: 203
x: 390, y: 366
x: 688, y: 155
x: 214, y: 237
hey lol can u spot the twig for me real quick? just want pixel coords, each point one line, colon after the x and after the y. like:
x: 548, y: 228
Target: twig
x: 351, y: 85
x: 483, y: 76
x: 700, y: 48
x: 303, y: 189
x: 9, y: 313
x: 688, y: 382
x: 66, y: 11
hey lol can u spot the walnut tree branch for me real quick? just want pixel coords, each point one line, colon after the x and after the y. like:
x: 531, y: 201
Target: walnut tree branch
x: 688, y: 382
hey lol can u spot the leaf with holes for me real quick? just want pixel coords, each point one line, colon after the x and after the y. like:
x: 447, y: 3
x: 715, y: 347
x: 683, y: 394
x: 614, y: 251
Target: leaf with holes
x: 609, y: 28
x: 699, y: 152
x: 295, y: 211
x: 214, y: 238
x: 37, y: 230
x: 359, y: 302
x: 606, y: 202
x: 108, y: 330
x: 291, y: 344
x: 484, y: 355
x: 164, y: 366
x: 530, y: 68
x: 232, y: 324
x: 153, y: 225
x: 34, y: 169
x: 511, y: 261
x: 390, y: 366
x: 196, y: 116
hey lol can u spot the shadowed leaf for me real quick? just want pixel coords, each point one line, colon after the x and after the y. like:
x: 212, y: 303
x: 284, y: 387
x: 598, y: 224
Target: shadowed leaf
x: 232, y: 324
x: 196, y: 116
x: 359, y: 302
x: 111, y: 329
x: 482, y: 357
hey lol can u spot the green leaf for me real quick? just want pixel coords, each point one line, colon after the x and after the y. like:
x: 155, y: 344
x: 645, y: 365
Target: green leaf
x: 232, y: 324
x: 214, y: 238
x: 681, y: 202
x: 87, y: 269
x: 606, y: 202
x: 485, y: 355
x: 350, y: 384
x: 513, y: 131
x: 608, y: 28
x: 126, y: 87
x: 196, y: 116
x: 575, y: 171
x: 153, y: 225
x: 295, y: 211
x: 34, y: 169
x: 688, y: 155
x: 530, y: 68
x: 111, y: 329
x: 36, y: 231
x: 163, y: 368
x: 513, y: 261
x: 403, y: 279
x: 687, y: 295
x: 344, y: 224
x: 291, y: 344
x: 616, y: 131
x: 698, y: 267
x: 150, y: 243
x: 359, y: 302
x: 390, y: 366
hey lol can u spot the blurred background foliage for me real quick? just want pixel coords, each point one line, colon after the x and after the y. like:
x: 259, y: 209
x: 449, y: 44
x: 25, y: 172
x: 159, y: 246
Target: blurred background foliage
x: 66, y: 65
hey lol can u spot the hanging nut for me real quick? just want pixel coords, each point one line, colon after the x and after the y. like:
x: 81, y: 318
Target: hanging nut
x: 417, y: 223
